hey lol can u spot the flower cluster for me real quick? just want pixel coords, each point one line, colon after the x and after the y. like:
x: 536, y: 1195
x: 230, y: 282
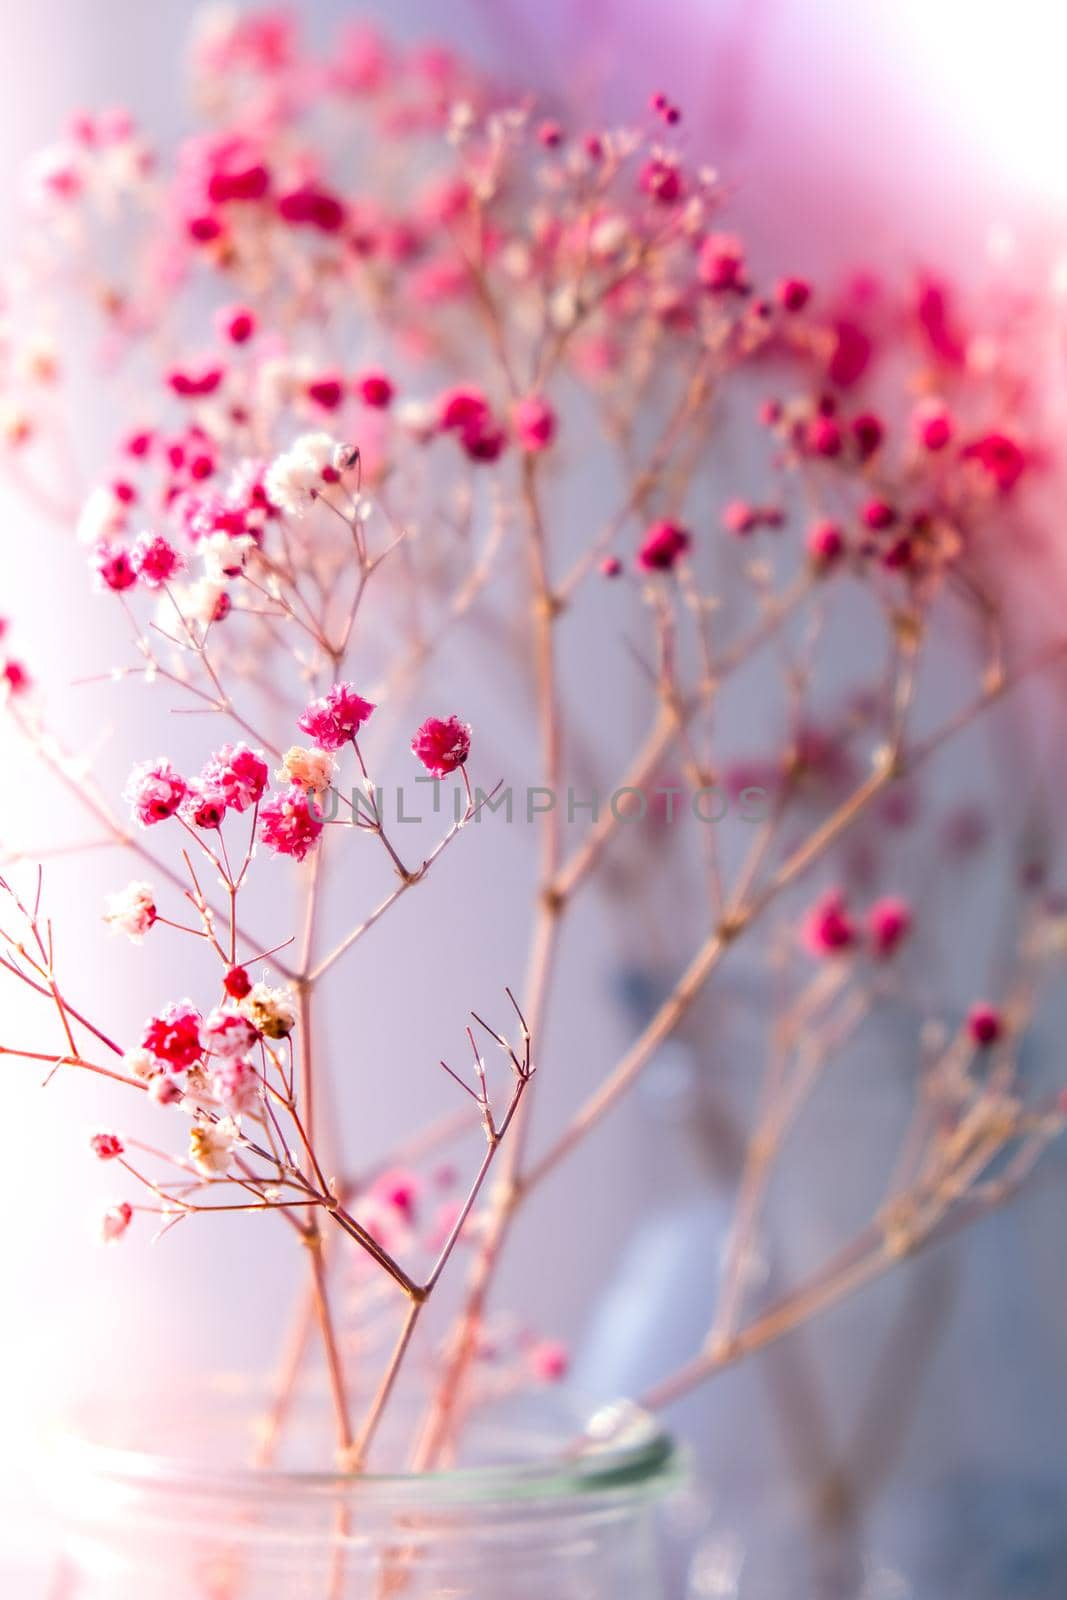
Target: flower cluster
x: 435, y: 400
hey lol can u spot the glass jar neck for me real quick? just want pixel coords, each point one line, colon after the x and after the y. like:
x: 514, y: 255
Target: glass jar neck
x: 547, y: 1527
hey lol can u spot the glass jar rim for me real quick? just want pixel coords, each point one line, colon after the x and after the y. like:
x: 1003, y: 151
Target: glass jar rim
x: 625, y: 1454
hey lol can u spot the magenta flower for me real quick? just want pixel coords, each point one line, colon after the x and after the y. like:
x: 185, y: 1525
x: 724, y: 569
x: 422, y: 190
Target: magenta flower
x: 462, y: 409
x: 336, y: 718
x: 826, y: 543
x: 106, y: 1146
x: 535, y: 424
x: 442, y: 745
x: 998, y: 456
x: 985, y: 1024
x: 173, y: 1036
x: 828, y: 928
x: 155, y: 560
x: 239, y: 775
x: 550, y: 1361
x: 889, y: 923
x: 721, y: 264
x: 375, y: 390
x: 663, y: 545
x: 288, y: 825
x: 662, y: 180
x: 227, y: 1034
x: 113, y: 566
x: 204, y: 805
x: 154, y: 791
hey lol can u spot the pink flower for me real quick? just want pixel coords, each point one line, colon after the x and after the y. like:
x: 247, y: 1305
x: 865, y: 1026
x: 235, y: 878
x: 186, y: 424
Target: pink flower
x: 227, y: 1034
x: 236, y: 323
x: 462, y: 409
x: 237, y: 983
x: 239, y: 775
x: 828, y: 928
x: 868, y: 431
x: 535, y: 424
x: 933, y: 425
x: 998, y: 456
x: 312, y: 207
x: 191, y: 384
x: 204, y: 805
x: 663, y: 545
x: 442, y: 746
x: 235, y: 1084
x: 740, y: 517
x: 721, y: 264
x: 15, y: 677
x: 164, y: 1090
x: 466, y: 411
x: 662, y: 180
x: 375, y: 390
x: 485, y: 443
x: 336, y: 718
x: 155, y: 560
x: 793, y: 294
x: 889, y: 923
x: 826, y: 544
x: 113, y: 566
x: 823, y: 437
x: 879, y: 515
x: 549, y: 1360
x: 985, y: 1024
x: 326, y: 391
x: 154, y: 791
x: 115, y: 1221
x: 288, y: 825
x: 106, y: 1146
x: 173, y: 1036
x: 399, y: 1191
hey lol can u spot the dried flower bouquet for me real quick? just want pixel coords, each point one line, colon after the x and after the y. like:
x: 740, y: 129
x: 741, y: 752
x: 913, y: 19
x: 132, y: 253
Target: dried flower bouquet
x: 372, y: 340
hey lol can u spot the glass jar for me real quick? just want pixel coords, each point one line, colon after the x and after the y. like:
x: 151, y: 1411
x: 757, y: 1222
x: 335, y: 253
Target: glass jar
x: 546, y: 1524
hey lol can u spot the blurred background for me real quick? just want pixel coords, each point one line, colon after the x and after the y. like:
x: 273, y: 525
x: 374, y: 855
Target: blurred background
x: 916, y: 135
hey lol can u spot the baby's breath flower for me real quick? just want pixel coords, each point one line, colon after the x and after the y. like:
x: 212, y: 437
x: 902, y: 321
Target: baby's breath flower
x: 296, y: 478
x: 132, y: 910
x: 115, y: 1221
x: 141, y: 1063
x: 211, y: 1146
x: 272, y: 1011
x: 311, y: 770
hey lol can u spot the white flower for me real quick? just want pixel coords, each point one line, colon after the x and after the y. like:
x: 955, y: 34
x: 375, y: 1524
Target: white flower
x: 132, y: 911
x: 310, y: 769
x: 225, y: 554
x: 609, y: 235
x: 271, y: 1010
x: 141, y: 1063
x: 563, y: 308
x: 295, y: 478
x: 199, y: 601
x: 103, y: 516
x: 276, y: 381
x: 211, y: 1146
x: 417, y: 417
